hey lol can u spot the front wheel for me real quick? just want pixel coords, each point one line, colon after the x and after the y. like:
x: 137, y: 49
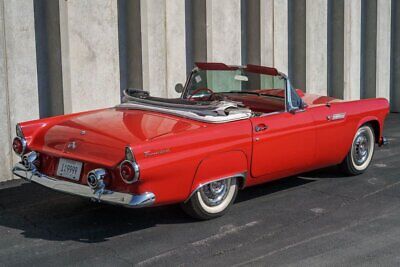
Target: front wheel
x: 360, y: 155
x: 212, y: 200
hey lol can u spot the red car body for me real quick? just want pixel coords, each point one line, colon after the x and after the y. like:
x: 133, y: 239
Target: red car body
x: 177, y: 155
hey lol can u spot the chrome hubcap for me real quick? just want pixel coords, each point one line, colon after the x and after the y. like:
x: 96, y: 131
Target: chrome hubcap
x: 361, y: 148
x: 214, y: 193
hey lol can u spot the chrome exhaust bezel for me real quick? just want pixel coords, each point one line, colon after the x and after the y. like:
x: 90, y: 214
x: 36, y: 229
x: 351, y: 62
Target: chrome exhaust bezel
x: 95, y: 179
x: 29, y: 159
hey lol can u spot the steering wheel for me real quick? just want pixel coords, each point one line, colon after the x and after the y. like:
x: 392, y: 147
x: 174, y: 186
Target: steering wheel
x: 199, y: 90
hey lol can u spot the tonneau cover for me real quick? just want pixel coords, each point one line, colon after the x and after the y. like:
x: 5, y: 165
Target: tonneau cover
x: 212, y: 112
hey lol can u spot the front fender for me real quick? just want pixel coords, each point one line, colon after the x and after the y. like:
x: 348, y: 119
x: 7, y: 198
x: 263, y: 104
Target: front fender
x: 222, y: 165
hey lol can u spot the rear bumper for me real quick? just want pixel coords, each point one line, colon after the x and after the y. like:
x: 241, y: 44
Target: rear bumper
x: 118, y: 198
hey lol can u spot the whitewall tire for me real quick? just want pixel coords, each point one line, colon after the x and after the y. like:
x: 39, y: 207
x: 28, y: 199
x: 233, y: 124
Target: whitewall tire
x: 361, y: 152
x: 212, y: 200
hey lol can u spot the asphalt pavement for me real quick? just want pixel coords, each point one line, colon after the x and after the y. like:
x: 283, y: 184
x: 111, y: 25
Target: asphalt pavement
x: 321, y: 218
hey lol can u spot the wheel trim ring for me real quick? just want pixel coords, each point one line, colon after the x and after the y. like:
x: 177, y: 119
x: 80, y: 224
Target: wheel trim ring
x: 371, y: 148
x: 361, y: 148
x: 223, y: 205
x: 215, y: 198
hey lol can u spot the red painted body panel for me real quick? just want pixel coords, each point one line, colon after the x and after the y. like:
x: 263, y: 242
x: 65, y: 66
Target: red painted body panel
x: 176, y: 155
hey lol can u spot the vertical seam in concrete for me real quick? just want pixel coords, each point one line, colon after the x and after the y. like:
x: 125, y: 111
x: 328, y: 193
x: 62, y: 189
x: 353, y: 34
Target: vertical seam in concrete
x: 166, y: 50
x: 65, y: 69
x: 188, y: 36
x: 122, y: 46
x: 382, y: 51
x: 273, y: 32
x: 145, y: 52
x: 392, y: 89
x: 243, y: 26
x: 209, y: 38
x: 10, y: 128
x: 329, y: 47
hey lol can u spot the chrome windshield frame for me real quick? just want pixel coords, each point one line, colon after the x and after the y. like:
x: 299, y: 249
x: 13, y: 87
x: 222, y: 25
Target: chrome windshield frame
x: 288, y: 89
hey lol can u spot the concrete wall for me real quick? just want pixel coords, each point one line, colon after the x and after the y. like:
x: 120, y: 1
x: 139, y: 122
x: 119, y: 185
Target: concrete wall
x: 317, y: 46
x: 163, y: 45
x: 89, y: 48
x: 18, y: 74
x: 66, y: 56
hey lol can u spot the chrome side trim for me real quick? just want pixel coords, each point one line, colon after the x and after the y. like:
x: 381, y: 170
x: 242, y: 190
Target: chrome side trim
x: 107, y: 196
x: 240, y: 175
x: 336, y: 116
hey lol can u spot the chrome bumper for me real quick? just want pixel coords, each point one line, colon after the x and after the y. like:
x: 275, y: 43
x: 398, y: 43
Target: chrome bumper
x: 124, y: 199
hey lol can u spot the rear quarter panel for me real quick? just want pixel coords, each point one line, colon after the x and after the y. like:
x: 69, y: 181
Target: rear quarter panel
x: 192, y: 157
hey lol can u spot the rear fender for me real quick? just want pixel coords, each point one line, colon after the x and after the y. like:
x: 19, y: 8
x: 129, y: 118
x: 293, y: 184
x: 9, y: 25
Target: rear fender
x: 221, y: 166
x: 367, y: 119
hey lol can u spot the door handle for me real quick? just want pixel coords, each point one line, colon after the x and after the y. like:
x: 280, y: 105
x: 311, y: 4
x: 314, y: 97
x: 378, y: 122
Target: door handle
x: 261, y: 127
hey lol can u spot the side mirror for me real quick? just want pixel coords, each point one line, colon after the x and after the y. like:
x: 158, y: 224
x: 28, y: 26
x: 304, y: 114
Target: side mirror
x: 179, y: 88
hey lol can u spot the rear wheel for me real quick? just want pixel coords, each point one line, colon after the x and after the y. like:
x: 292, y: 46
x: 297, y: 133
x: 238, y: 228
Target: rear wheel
x: 212, y: 200
x: 360, y: 155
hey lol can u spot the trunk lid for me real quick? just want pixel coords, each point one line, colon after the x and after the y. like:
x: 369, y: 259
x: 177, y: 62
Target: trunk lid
x: 101, y: 136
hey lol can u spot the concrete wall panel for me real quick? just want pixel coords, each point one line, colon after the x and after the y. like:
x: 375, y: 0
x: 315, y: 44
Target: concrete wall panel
x: 48, y: 54
x: 175, y: 45
x: 352, y: 49
x: 224, y: 31
x: 281, y: 44
x: 297, y: 43
x: 252, y: 32
x: 22, y: 85
x: 5, y: 151
x: 89, y: 42
x: 267, y: 32
x: 130, y: 44
x: 383, y: 48
x: 163, y: 46
x: 335, y: 48
x: 196, y: 30
x: 368, y: 48
x: 154, y: 46
x: 395, y: 58
x: 316, y: 46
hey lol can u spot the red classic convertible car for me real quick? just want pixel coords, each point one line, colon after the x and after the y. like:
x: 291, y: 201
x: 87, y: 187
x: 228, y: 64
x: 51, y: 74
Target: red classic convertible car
x: 232, y: 127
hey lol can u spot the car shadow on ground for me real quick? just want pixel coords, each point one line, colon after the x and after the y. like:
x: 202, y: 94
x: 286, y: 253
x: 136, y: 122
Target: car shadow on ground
x: 44, y: 214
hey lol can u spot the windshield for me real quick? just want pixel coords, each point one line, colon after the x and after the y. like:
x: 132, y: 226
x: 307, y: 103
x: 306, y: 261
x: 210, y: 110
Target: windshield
x: 228, y: 81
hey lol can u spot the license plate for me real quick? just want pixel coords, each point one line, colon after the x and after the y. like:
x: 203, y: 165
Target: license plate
x: 70, y: 169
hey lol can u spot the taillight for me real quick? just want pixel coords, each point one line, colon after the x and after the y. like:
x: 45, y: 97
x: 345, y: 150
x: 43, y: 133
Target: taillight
x: 19, y: 145
x: 129, y: 171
